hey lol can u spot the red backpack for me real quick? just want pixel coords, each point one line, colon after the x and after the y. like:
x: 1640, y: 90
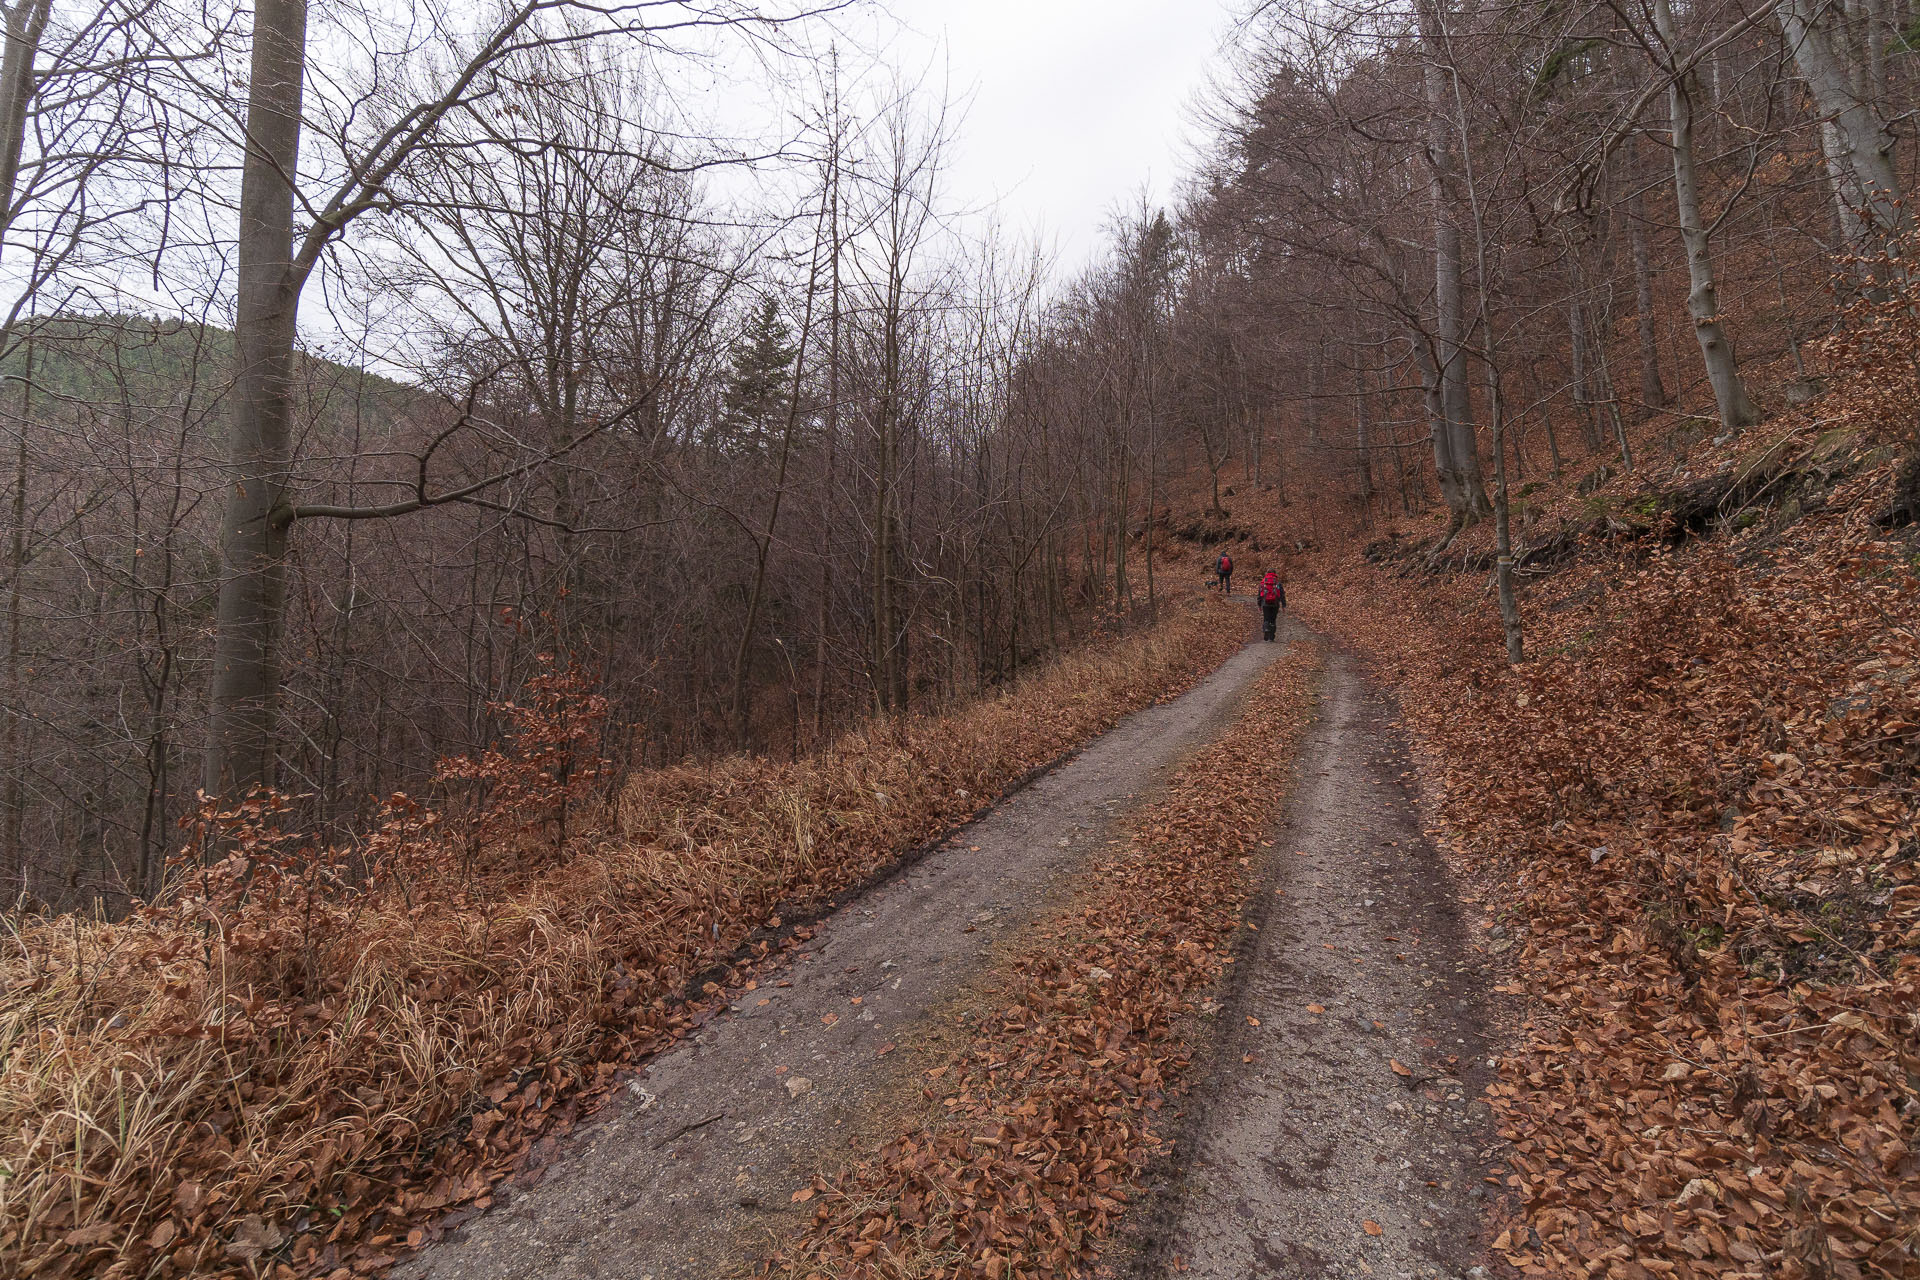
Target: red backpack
x: 1270, y: 588
x: 1226, y: 563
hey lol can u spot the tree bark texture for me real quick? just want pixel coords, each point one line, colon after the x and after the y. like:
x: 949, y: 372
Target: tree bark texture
x: 1653, y: 391
x: 1861, y: 144
x: 247, y: 661
x: 1703, y: 303
x: 1467, y: 491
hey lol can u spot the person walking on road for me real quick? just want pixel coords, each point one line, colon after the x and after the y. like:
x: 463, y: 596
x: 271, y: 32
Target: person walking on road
x: 1273, y: 594
x: 1223, y: 570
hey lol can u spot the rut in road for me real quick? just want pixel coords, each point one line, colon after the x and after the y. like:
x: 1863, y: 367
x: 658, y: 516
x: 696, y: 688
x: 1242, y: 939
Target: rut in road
x: 1344, y: 1135
x: 688, y: 1173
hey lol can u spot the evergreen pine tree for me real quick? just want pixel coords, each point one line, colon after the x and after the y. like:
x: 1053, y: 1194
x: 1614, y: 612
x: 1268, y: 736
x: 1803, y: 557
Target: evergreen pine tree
x: 759, y: 374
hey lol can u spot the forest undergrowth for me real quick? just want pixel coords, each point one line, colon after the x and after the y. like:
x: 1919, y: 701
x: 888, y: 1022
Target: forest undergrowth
x: 301, y: 1058
x: 1695, y: 811
x: 1040, y: 1127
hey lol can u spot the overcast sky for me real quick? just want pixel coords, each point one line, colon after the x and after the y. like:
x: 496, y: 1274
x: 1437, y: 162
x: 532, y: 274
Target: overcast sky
x: 1070, y: 105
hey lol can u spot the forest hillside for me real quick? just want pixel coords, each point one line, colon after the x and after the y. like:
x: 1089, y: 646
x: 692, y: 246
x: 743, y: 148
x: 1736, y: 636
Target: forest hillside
x: 1691, y: 818
x: 520, y: 587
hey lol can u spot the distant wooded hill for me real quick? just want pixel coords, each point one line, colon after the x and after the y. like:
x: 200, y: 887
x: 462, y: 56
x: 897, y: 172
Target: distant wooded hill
x: 143, y: 365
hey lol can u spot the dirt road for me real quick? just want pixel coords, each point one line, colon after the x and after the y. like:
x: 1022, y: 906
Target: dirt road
x: 1306, y: 1152
x: 690, y: 1171
x: 1342, y: 1136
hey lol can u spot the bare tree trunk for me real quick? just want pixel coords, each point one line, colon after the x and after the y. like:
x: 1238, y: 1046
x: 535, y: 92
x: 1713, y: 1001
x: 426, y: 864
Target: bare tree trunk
x: 1456, y: 399
x: 1256, y: 427
x: 1153, y: 471
x: 832, y: 424
x: 1122, y: 589
x: 1443, y: 464
x: 881, y: 584
x: 1401, y: 475
x: 13, y: 862
x: 1467, y: 493
x: 26, y: 24
x: 1503, y: 523
x: 1848, y: 199
x: 1611, y: 399
x: 1703, y: 304
x: 1876, y: 33
x: 1316, y: 383
x: 763, y: 543
x: 247, y: 662
x: 1863, y: 142
x: 1653, y: 392
x: 1214, y: 463
x: 160, y: 682
x: 1583, y: 396
x: 1363, y: 447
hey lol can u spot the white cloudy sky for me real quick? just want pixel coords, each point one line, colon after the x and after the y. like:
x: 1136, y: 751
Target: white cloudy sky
x: 1070, y: 105
x: 1064, y: 110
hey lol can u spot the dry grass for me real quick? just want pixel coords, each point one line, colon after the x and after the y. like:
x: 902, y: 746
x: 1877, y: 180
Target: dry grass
x: 299, y: 1087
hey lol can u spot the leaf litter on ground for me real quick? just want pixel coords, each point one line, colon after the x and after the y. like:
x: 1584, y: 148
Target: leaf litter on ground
x: 1049, y: 1113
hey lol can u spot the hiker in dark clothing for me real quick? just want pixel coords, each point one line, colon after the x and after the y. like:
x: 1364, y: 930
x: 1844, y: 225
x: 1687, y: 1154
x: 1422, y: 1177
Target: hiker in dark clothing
x: 1223, y: 569
x: 1273, y: 594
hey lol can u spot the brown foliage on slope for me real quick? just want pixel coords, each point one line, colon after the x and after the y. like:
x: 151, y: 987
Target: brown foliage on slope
x: 1696, y: 806
x: 291, y: 1071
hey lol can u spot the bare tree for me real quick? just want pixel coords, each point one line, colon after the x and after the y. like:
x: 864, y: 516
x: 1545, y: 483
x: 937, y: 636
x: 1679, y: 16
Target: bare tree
x: 273, y: 268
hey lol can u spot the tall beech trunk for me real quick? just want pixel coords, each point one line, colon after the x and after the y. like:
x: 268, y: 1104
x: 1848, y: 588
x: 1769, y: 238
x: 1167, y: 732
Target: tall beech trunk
x: 1859, y: 145
x: 253, y: 535
x: 1466, y: 492
x: 1583, y: 396
x: 26, y: 22
x: 1431, y: 396
x: 1456, y: 397
x: 1703, y: 304
x: 1503, y: 525
x: 1848, y: 199
x: 1362, y: 445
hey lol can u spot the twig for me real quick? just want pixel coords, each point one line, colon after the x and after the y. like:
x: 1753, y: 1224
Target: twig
x: 686, y: 1129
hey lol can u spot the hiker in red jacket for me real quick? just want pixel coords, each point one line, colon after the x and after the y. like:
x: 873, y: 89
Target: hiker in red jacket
x: 1273, y: 594
x: 1223, y: 570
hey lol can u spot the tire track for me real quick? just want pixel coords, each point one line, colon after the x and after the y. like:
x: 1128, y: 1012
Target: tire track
x: 1343, y: 1135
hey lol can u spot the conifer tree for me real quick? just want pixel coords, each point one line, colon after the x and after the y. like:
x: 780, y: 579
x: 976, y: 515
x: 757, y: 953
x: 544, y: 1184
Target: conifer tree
x: 759, y: 373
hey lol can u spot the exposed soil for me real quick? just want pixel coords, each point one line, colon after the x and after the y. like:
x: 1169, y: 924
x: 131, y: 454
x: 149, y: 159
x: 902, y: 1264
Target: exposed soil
x: 1307, y: 1152
x: 691, y: 1169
